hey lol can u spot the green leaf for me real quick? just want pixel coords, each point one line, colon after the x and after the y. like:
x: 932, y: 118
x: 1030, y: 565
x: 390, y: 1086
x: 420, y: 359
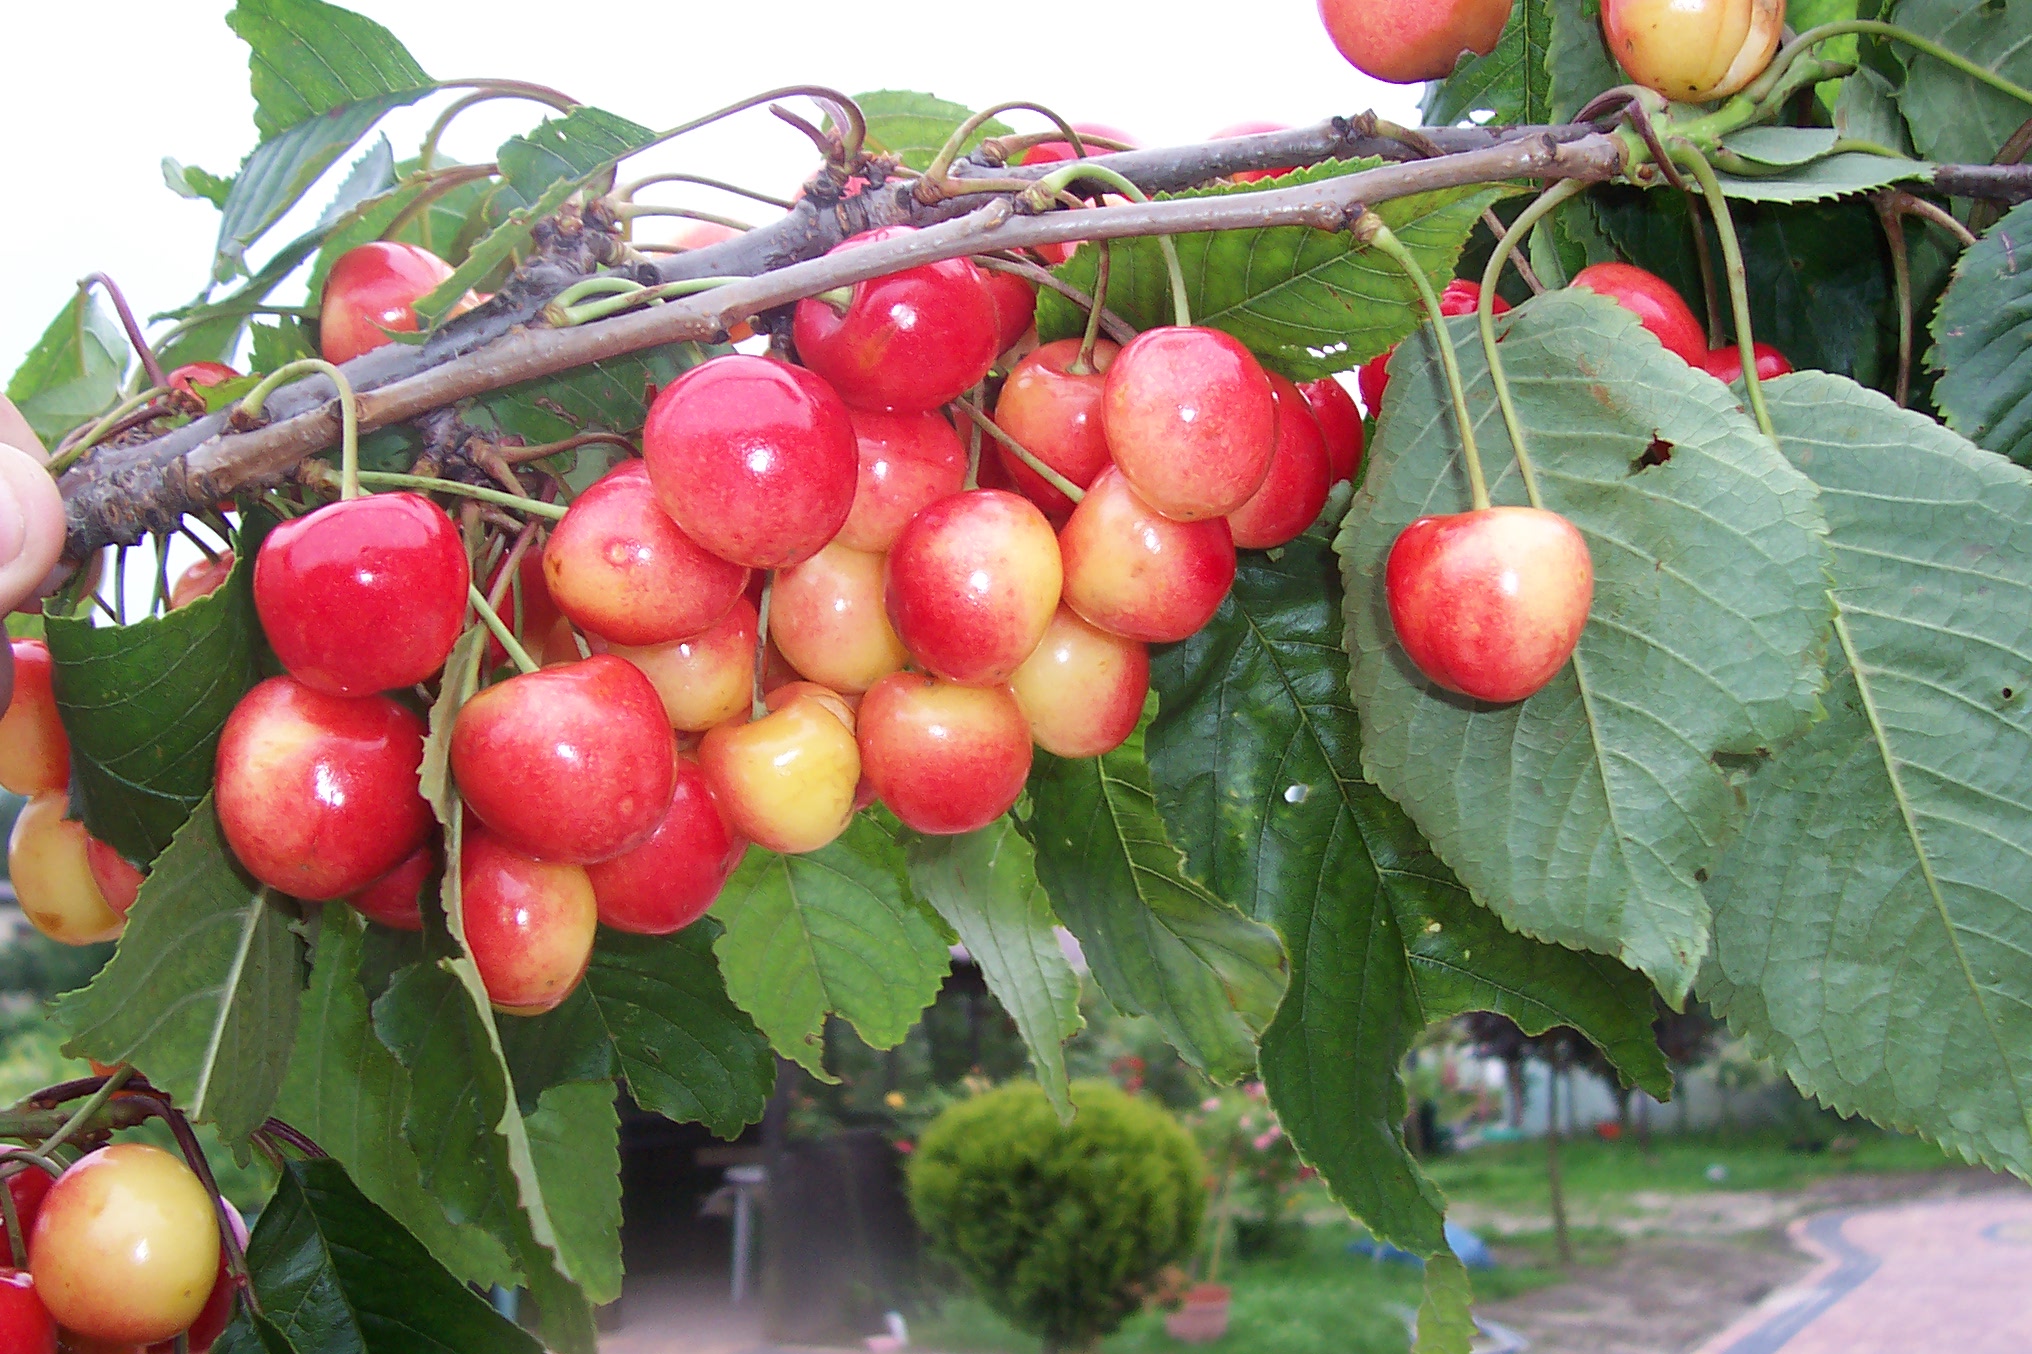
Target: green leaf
x: 913, y: 126
x: 1867, y: 110
x: 836, y: 931
x: 1870, y: 925
x: 1982, y: 341
x: 214, y: 339
x: 195, y: 183
x: 1158, y: 941
x: 985, y: 886
x: 1446, y: 1321
x: 74, y: 371
x: 278, y: 344
x: 1253, y: 756
x: 144, y: 703
x: 1580, y: 60
x: 1511, y: 85
x: 575, y: 1146
x: 1307, y: 302
x: 497, y: 251
x: 204, y: 991
x: 1589, y: 814
x: 307, y: 58
x: 337, y: 1275
x: 1801, y: 168
x: 1954, y: 118
x: 612, y: 395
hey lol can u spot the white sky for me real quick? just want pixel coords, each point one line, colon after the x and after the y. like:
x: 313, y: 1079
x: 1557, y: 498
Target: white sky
x: 100, y: 92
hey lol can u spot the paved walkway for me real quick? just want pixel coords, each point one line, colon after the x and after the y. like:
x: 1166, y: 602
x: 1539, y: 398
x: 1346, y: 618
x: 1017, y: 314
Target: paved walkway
x: 1951, y: 1276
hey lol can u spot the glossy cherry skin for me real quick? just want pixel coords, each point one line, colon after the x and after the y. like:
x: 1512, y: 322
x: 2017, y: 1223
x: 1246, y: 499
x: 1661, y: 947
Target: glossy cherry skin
x: 1251, y: 129
x: 211, y: 1323
x: 1693, y: 50
x: 754, y: 459
x: 1082, y: 689
x: 29, y: 1188
x: 1136, y: 573
x: 126, y: 1246
x: 1340, y: 423
x: 1726, y: 364
x: 1190, y: 419
x: 538, y: 615
x: 393, y: 899
x: 317, y: 794
x: 1491, y: 603
x: 1301, y: 473
x: 621, y: 569
x: 827, y: 617
x: 364, y: 595
x: 52, y: 877
x: 373, y: 289
x: 973, y: 582
x: 571, y: 763
x: 26, y: 1326
x: 35, y: 752
x: 669, y: 881
x: 944, y: 758
x: 1405, y: 41
x: 705, y: 680
x: 186, y: 380
x: 908, y: 341
x: 1015, y: 305
x: 202, y: 579
x: 1055, y: 414
x: 1653, y: 301
x: 906, y: 462
x: 1458, y: 297
x: 119, y: 882
x: 786, y: 781
x: 529, y: 923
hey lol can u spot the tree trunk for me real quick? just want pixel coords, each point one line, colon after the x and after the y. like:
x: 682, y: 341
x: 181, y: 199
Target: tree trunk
x: 1552, y: 1176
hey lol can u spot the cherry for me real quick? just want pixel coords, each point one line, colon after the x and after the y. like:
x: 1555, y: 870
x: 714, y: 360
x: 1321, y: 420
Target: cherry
x: 786, y: 781
x: 1653, y: 301
x: 539, y: 615
x: 35, y: 752
x: 26, y: 1326
x: 30, y: 1187
x: 1726, y: 364
x: 1015, y: 301
x: 1459, y: 297
x: 211, y: 1322
x: 186, y: 380
x: 906, y: 462
x: 826, y: 616
x: 910, y: 340
x: 945, y: 758
x: 1055, y: 415
x: 1340, y: 423
x: 1489, y: 603
x: 570, y: 763
x: 317, y: 794
x: 126, y: 1246
x: 1190, y: 420
x: 704, y: 680
x: 1082, y: 689
x: 669, y: 881
x: 52, y: 877
x: 202, y: 579
x: 754, y: 459
x: 118, y: 881
x: 621, y: 569
x: 1693, y: 50
x: 1405, y: 41
x: 1136, y: 573
x: 1049, y: 152
x: 529, y: 924
x: 1251, y: 129
x: 1300, y: 476
x: 973, y: 582
x: 364, y: 595
x: 392, y: 900
x: 371, y: 291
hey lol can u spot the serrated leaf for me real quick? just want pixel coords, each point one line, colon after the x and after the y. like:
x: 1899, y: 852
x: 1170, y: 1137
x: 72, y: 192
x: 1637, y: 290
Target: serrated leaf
x: 1579, y: 59
x: 215, y: 339
x: 1871, y: 925
x: 1955, y: 118
x: 1982, y: 341
x: 195, y: 183
x: 1802, y: 169
x: 1589, y: 814
x: 1307, y: 302
x: 277, y: 345
x: 144, y: 703
x: 1158, y: 941
x: 497, y: 250
x: 204, y: 991
x: 74, y: 371
x: 834, y: 931
x: 1866, y: 109
x: 913, y: 126
x: 1511, y: 85
x: 337, y: 1275
x: 1254, y: 756
x: 1446, y: 1321
x: 307, y: 58
x: 985, y: 886
x: 575, y: 1146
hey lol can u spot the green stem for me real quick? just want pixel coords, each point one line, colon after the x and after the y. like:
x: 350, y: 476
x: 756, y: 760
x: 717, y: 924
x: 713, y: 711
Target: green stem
x: 1022, y: 453
x: 624, y: 295
x: 1485, y: 318
x: 1083, y: 361
x: 388, y: 479
x: 1686, y: 155
x: 942, y: 163
x: 492, y: 620
x: 69, y: 455
x: 627, y: 192
x: 1382, y: 240
x: 17, y: 1245
x: 1051, y: 185
x: 484, y: 95
x: 1876, y: 28
x: 93, y: 1103
x: 349, y: 413
x: 759, y: 703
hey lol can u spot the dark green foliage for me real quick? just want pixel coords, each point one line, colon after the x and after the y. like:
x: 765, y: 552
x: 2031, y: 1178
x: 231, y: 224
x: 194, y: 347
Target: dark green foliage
x: 1060, y: 1227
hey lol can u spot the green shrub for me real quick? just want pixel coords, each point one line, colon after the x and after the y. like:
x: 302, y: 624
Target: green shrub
x: 1060, y: 1227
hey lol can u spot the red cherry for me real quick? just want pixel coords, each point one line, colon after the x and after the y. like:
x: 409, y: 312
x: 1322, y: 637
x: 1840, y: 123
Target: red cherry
x: 1055, y: 415
x: 1251, y: 129
x: 1190, y: 420
x: 29, y: 1187
x: 620, y: 568
x: 1489, y: 603
x: 907, y: 461
x: 529, y: 924
x: 317, y: 794
x: 1405, y: 41
x: 945, y: 758
x: 364, y: 595
x: 26, y: 1326
x: 1300, y: 476
x: 910, y: 340
x: 185, y: 379
x: 1340, y: 423
x: 539, y: 615
x: 972, y: 584
x: 706, y: 679
x: 1082, y: 689
x: 392, y: 899
x: 569, y: 763
x: 1136, y: 573
x: 1015, y: 301
x: 669, y: 881
x: 1653, y: 301
x: 202, y: 579
x: 47, y: 861
x: 119, y: 882
x: 1726, y: 364
x: 372, y: 290
x: 35, y: 752
x: 217, y: 1313
x: 1459, y: 297
x: 754, y: 459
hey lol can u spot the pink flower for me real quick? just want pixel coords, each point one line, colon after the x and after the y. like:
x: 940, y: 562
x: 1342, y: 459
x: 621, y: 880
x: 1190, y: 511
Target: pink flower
x: 1269, y: 1136
x: 1210, y: 1104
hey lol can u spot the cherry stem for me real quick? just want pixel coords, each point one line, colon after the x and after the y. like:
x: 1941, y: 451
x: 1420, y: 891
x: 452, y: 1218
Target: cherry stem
x: 759, y: 703
x: 433, y: 185
x: 92, y: 1105
x: 973, y: 479
x: 1022, y: 453
x: 1380, y: 238
x: 229, y: 1241
x: 16, y: 1244
x: 1485, y: 317
x: 120, y: 586
x: 1775, y: 72
x: 627, y: 192
x: 294, y: 1137
x: 68, y: 453
x: 1739, y: 289
x: 508, y: 583
x: 631, y: 211
x: 486, y: 94
x: 1710, y: 290
x: 1524, y: 270
x: 1118, y: 329
x: 492, y: 620
x: 1083, y: 361
x: 524, y: 455
x: 1909, y: 204
x: 1893, y: 222
x: 390, y: 479
x: 1051, y: 185
x: 621, y: 294
x: 935, y: 173
x: 854, y: 136
x: 149, y: 362
x: 349, y: 413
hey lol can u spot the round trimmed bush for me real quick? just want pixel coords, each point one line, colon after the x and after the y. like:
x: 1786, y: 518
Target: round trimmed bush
x: 1060, y: 1227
